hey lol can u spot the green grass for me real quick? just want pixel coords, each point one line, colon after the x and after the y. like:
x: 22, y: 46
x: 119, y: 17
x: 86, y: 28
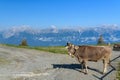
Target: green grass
x: 118, y: 72
x: 52, y: 49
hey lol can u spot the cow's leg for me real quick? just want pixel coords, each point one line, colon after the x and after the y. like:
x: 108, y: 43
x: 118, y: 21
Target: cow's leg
x: 85, y: 65
x: 105, y: 63
x: 82, y: 65
x: 86, y: 70
x: 105, y: 68
x: 81, y: 62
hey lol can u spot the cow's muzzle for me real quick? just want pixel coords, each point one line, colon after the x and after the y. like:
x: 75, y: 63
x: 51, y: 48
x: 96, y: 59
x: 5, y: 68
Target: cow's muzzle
x: 71, y: 54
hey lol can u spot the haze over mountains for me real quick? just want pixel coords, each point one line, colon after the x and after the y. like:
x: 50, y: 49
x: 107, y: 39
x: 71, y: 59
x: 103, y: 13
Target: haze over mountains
x: 58, y: 37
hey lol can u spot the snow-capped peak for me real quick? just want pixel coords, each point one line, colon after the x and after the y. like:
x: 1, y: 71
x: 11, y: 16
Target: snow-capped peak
x: 54, y: 29
x: 16, y: 30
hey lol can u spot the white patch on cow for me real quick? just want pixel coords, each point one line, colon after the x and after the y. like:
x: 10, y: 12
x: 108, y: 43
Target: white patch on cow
x: 71, y: 55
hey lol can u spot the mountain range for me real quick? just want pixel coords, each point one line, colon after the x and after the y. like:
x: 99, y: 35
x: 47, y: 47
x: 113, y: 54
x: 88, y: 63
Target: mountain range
x: 59, y: 37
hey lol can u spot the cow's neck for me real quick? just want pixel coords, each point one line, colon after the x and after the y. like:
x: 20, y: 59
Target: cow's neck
x: 74, y: 51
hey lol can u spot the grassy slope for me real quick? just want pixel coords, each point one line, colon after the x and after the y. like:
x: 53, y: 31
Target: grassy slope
x: 53, y: 49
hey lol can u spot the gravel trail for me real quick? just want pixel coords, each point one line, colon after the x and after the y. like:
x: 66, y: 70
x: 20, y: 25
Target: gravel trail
x: 29, y: 64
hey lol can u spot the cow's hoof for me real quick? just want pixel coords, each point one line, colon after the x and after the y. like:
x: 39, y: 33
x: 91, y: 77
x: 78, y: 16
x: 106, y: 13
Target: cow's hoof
x: 103, y: 73
x: 86, y: 73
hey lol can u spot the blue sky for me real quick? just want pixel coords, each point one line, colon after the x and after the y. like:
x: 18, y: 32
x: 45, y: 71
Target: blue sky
x: 61, y: 13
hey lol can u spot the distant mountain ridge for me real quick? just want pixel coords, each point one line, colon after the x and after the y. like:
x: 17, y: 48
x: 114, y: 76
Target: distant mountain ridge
x: 59, y: 37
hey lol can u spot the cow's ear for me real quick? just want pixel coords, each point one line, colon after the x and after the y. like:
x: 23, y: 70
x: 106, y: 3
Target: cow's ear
x: 69, y: 44
x: 76, y: 47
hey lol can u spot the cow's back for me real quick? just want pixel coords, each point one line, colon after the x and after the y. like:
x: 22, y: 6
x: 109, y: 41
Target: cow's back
x: 93, y: 53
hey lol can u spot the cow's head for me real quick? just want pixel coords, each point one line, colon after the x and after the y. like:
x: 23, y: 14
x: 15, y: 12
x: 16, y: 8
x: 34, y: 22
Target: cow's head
x: 71, y: 49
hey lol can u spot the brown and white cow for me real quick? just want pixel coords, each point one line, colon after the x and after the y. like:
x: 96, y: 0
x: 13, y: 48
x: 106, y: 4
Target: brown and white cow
x: 116, y: 47
x: 90, y: 53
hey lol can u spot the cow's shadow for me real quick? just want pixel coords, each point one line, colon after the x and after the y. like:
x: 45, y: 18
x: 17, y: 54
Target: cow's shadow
x: 77, y: 67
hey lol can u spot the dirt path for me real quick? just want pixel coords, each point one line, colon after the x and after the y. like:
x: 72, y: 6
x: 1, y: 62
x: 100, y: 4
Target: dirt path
x: 26, y: 64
